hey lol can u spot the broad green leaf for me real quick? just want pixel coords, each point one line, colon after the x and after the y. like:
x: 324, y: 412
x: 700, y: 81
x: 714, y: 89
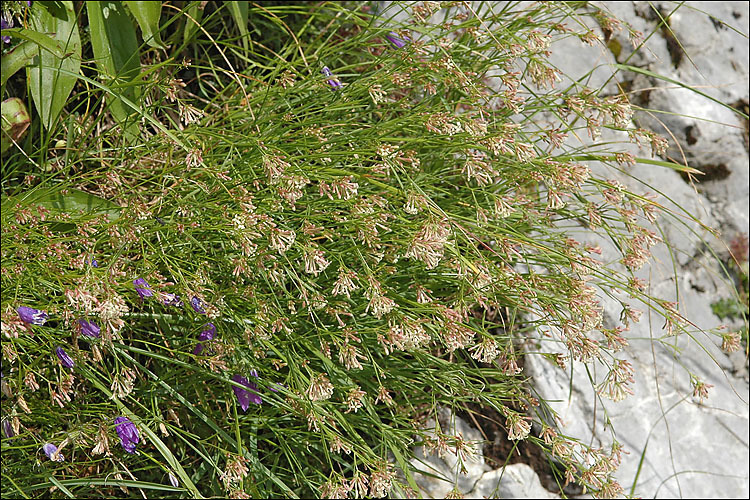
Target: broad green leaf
x: 44, y: 41
x: 115, y: 47
x: 239, y: 12
x: 15, y: 121
x: 73, y: 202
x: 192, y: 13
x: 156, y: 123
x: 20, y: 56
x: 49, y: 87
x: 147, y: 14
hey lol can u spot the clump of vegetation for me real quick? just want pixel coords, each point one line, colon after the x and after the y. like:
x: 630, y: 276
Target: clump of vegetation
x: 736, y: 308
x: 251, y: 255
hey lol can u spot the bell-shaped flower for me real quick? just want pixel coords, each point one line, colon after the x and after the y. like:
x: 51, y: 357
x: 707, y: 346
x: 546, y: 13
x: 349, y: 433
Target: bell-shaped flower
x: 51, y: 451
x: 245, y: 397
x: 197, y: 305
x: 64, y: 358
x: 31, y: 315
x: 143, y: 288
x: 128, y: 433
x: 208, y: 333
x: 333, y: 82
x: 89, y: 328
x: 395, y: 40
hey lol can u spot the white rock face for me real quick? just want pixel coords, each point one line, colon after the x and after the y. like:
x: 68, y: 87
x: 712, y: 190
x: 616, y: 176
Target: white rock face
x: 513, y: 481
x: 689, y: 447
x: 679, y: 446
x: 449, y: 466
x: 478, y: 480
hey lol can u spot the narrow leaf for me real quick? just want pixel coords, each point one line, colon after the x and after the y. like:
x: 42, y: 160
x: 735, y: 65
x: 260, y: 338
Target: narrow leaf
x: 646, y: 72
x: 72, y: 203
x: 239, y: 12
x: 44, y: 41
x: 193, y: 15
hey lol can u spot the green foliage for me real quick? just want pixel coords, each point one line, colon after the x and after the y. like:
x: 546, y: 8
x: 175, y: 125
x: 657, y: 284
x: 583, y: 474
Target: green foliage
x: 52, y: 78
x: 113, y: 39
x: 730, y: 308
x: 374, y: 244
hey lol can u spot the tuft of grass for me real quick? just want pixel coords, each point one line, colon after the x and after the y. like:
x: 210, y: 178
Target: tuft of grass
x: 368, y: 232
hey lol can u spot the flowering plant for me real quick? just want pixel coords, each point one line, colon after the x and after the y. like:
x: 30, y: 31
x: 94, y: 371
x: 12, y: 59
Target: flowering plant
x: 368, y: 243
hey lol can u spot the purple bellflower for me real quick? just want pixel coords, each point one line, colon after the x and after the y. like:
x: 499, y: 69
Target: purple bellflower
x: 197, y: 305
x: 64, y: 358
x: 89, y: 328
x: 208, y: 333
x: 395, y: 40
x: 6, y: 24
x: 31, y: 315
x: 333, y: 82
x: 128, y: 433
x: 170, y: 299
x: 245, y: 397
x: 143, y: 288
x: 51, y: 451
x: 8, y: 429
x: 198, y: 349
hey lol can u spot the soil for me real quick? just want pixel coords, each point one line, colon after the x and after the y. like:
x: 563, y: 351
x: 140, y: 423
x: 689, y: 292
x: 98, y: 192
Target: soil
x: 499, y: 450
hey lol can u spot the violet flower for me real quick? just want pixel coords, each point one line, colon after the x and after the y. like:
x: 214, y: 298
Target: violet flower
x: 245, y: 397
x: 170, y: 299
x: 143, y: 288
x: 198, y: 349
x: 31, y: 315
x: 64, y: 358
x: 89, y: 328
x: 6, y: 24
x: 8, y: 429
x: 128, y: 433
x: 94, y: 263
x: 173, y: 480
x: 333, y: 82
x: 197, y: 305
x: 51, y: 451
x: 395, y: 40
x: 208, y: 333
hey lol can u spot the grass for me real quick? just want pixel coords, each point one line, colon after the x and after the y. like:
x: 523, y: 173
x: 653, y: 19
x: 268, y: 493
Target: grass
x: 369, y: 245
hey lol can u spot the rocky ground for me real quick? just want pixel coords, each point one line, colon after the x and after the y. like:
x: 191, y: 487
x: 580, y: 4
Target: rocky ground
x: 679, y: 446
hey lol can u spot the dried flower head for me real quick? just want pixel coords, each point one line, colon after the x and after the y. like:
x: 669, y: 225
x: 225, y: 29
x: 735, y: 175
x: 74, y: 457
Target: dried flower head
x: 320, y: 388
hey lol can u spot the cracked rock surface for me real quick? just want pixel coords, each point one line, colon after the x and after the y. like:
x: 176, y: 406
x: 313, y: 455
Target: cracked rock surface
x: 689, y: 447
x: 678, y: 444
